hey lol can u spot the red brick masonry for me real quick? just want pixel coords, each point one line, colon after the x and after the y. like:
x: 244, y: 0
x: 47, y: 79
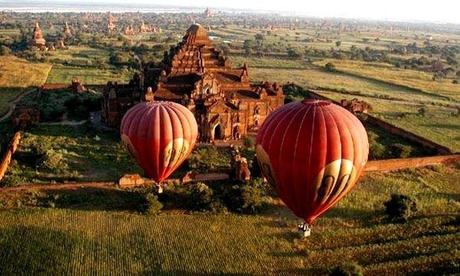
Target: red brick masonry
x: 405, y: 163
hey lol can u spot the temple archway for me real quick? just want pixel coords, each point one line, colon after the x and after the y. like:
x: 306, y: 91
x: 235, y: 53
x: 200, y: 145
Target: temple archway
x: 236, y: 132
x: 218, y: 132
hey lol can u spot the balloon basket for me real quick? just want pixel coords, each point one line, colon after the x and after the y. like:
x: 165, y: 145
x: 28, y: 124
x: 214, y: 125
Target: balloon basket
x: 304, y: 230
x: 160, y: 189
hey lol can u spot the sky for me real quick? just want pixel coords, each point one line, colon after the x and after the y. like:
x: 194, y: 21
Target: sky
x: 442, y: 11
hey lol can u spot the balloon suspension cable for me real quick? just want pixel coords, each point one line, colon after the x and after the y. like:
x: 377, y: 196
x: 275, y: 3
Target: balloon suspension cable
x: 304, y: 229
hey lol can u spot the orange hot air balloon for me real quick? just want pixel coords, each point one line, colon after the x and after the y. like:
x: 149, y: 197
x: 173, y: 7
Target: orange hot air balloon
x: 313, y: 152
x: 160, y: 135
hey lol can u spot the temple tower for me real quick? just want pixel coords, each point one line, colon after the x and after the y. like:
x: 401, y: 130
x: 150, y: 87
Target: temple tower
x: 37, y: 38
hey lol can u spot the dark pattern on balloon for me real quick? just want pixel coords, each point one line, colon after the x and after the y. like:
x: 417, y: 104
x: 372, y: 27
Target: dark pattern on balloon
x: 266, y: 168
x: 326, y: 185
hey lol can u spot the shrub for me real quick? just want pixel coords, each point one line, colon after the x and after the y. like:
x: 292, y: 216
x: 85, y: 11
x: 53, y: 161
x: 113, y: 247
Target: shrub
x: 376, y: 150
x: 347, y: 269
x: 200, y: 197
x: 246, y: 197
x: 248, y: 142
x: 39, y: 149
x: 400, y: 208
x: 52, y: 161
x: 4, y: 50
x: 152, y: 205
x: 400, y: 150
x: 174, y: 196
x: 329, y: 67
x: 421, y: 111
x: 208, y: 159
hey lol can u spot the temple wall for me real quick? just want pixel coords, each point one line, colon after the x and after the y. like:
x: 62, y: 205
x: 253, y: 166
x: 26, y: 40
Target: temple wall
x: 405, y: 163
x: 6, y: 160
x: 407, y: 135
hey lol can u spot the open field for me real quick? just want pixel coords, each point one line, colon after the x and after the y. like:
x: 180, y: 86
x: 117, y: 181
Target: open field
x: 439, y: 124
x: 92, y: 238
x: 65, y: 74
x: 411, y: 78
x: 387, y: 101
x: 16, y: 75
x: 80, y: 54
x: 267, y: 62
x: 19, y: 73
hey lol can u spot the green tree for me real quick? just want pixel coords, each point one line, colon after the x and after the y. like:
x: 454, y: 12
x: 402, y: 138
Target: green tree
x: 4, y: 50
x: 330, y: 67
x: 294, y: 53
x: 247, y: 46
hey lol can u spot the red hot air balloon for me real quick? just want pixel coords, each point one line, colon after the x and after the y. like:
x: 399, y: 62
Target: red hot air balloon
x: 160, y: 135
x: 313, y: 152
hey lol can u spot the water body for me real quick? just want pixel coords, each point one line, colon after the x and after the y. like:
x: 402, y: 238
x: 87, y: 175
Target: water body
x: 40, y: 6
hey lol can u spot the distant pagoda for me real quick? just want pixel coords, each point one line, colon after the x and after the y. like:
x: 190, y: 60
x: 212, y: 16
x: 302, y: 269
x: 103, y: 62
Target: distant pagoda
x: 207, y: 13
x: 129, y: 30
x: 37, y: 38
x: 67, y: 31
x: 111, y: 23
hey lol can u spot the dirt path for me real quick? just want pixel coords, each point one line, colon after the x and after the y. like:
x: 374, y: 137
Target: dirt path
x: 14, y: 102
x: 65, y: 123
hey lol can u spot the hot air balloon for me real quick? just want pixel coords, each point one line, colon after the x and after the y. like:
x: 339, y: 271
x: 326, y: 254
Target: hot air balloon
x: 313, y: 152
x: 160, y: 135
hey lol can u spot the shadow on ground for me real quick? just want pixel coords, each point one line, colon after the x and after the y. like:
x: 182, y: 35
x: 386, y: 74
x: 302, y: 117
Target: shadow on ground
x: 94, y: 199
x: 28, y: 250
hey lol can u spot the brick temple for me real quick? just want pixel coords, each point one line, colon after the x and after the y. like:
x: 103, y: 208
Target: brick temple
x: 37, y: 39
x: 194, y: 73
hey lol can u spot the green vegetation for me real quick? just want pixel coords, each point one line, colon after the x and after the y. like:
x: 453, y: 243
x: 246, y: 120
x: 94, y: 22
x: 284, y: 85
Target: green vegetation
x: 72, y: 153
x: 19, y: 73
x: 6, y: 96
x: 209, y: 159
x: 351, y: 269
x: 54, y: 105
x: 397, y: 105
x: 16, y: 75
x: 124, y: 241
x: 400, y: 208
x: 410, y: 78
x: 65, y: 74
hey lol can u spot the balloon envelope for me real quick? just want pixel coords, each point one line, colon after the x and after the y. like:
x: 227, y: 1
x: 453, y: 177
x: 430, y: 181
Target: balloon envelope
x: 160, y: 136
x: 313, y: 152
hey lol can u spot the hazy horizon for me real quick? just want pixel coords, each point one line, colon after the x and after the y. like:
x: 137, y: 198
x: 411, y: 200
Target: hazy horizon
x: 443, y: 11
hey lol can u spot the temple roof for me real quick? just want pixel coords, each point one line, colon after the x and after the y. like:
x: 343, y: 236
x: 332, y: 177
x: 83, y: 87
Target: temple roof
x: 196, y: 35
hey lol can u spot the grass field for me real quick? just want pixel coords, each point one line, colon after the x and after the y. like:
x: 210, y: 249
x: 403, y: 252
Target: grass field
x: 411, y: 78
x: 85, y: 157
x: 16, y: 75
x: 439, y: 124
x: 80, y: 54
x: 267, y: 62
x: 82, y: 240
x: 19, y: 73
x: 65, y: 74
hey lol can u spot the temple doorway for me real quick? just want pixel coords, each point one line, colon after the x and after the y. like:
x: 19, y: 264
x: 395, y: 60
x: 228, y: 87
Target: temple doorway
x: 236, y: 133
x: 218, y: 132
